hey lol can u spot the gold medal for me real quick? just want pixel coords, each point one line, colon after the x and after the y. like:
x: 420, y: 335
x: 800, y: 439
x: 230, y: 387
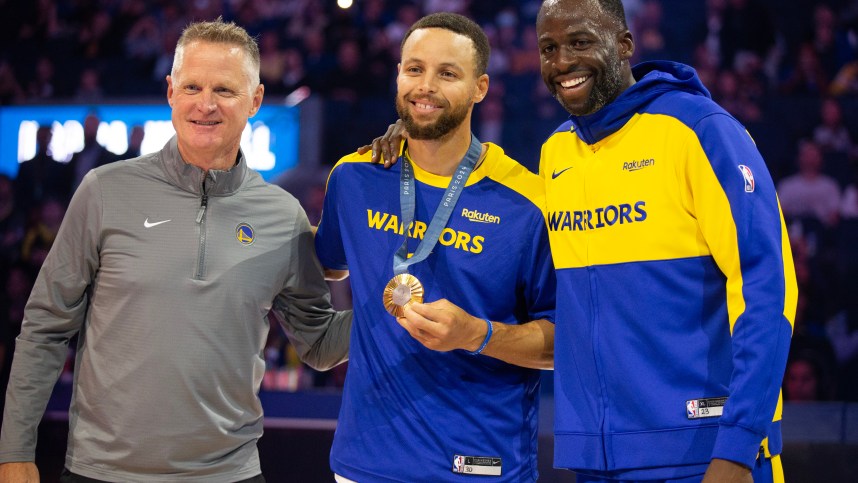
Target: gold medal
x: 401, y: 291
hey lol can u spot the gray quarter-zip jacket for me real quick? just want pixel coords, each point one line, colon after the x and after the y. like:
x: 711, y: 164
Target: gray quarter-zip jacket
x: 168, y: 273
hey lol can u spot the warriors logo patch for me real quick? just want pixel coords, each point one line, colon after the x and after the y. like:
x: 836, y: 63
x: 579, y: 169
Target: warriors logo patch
x: 244, y: 234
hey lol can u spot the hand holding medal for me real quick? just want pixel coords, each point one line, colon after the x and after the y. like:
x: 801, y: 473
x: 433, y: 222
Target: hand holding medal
x: 443, y: 326
x: 404, y: 289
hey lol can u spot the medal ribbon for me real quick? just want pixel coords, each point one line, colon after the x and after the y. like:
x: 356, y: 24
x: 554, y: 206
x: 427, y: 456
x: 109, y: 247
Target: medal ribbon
x: 408, y: 201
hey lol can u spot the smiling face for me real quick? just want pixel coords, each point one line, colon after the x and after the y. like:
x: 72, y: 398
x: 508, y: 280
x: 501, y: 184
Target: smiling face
x: 437, y: 84
x: 584, y: 53
x: 212, y: 92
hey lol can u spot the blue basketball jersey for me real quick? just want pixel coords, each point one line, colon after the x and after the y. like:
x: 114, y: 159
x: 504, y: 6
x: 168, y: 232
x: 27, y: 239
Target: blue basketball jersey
x: 410, y: 413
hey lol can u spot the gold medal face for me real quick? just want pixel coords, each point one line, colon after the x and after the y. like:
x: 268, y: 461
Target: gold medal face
x: 401, y: 291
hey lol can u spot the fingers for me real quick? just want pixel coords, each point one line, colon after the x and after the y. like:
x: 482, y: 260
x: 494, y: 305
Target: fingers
x: 441, y: 310
x: 394, y: 136
x: 390, y: 146
x: 389, y: 157
x: 416, y: 317
x: 376, y: 150
x: 427, y: 322
x: 406, y: 324
x: 385, y: 149
x: 418, y: 328
x: 382, y: 150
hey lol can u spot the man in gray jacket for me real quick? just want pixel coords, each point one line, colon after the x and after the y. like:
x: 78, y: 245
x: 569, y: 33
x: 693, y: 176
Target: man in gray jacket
x: 166, y: 265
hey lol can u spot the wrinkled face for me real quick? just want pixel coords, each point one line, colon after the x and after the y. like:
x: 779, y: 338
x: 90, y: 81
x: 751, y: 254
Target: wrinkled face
x: 584, y: 54
x: 437, y: 85
x: 212, y: 92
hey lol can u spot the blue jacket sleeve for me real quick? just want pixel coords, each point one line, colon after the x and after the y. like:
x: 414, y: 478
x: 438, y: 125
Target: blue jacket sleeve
x: 737, y: 208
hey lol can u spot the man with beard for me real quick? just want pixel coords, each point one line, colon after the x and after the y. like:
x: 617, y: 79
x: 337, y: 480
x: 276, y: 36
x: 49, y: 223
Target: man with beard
x: 677, y: 287
x: 453, y: 386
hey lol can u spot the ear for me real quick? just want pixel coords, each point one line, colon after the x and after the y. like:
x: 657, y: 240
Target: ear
x: 482, y: 88
x: 258, y: 94
x: 170, y: 91
x: 625, y: 45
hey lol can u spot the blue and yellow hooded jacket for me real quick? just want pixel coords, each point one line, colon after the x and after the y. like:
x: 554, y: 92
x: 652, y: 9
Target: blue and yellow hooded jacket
x: 676, y: 285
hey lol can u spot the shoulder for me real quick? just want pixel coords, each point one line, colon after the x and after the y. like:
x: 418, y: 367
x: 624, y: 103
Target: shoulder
x: 566, y: 128
x: 354, y: 160
x: 353, y: 169
x: 148, y: 163
x: 512, y: 175
x: 690, y: 109
x: 255, y: 186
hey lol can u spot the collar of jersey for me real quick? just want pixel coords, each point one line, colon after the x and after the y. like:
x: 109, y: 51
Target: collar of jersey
x: 190, y: 178
x: 438, y: 181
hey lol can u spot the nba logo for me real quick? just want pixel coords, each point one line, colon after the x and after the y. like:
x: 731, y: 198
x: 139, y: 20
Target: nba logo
x: 691, y: 407
x: 458, y: 464
x: 749, y: 178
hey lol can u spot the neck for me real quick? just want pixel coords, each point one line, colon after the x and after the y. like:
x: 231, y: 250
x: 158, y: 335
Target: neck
x: 628, y: 78
x: 441, y: 156
x: 209, y: 161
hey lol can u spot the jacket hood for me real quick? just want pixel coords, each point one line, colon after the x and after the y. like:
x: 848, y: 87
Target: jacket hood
x: 653, y: 79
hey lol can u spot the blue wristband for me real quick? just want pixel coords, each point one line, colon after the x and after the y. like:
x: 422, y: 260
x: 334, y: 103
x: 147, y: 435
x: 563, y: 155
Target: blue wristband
x: 485, y: 341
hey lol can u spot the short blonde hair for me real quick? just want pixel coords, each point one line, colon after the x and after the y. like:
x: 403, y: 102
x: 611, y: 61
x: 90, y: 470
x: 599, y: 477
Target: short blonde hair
x: 218, y: 31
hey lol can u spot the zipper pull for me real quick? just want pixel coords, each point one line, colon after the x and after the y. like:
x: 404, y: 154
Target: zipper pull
x: 203, y: 203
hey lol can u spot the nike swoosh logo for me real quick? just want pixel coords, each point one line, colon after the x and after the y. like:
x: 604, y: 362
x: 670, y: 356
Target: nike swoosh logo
x: 555, y: 174
x: 150, y: 225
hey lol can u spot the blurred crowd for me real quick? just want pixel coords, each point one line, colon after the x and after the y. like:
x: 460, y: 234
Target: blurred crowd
x: 787, y: 69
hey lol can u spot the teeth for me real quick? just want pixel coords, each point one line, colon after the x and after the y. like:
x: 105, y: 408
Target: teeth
x: 574, y: 82
x: 206, y: 123
x: 424, y: 106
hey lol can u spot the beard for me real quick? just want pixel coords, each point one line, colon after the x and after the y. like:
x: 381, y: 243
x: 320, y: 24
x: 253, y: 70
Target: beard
x: 446, y: 123
x: 606, y: 88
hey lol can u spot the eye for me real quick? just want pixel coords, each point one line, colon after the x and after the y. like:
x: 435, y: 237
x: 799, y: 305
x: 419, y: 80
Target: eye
x: 192, y: 88
x: 548, y: 49
x: 581, y: 43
